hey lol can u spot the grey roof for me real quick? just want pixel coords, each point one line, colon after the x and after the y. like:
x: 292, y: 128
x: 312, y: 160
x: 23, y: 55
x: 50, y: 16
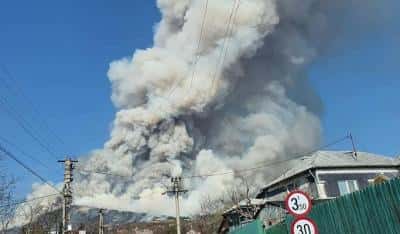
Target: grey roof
x: 335, y: 159
x: 243, y: 203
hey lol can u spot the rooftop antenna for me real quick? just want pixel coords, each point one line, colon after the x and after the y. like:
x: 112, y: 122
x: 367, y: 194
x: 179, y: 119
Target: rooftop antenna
x: 354, y: 152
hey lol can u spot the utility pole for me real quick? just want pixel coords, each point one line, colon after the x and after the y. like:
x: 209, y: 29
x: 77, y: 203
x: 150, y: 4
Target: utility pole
x: 101, y: 221
x: 67, y: 192
x: 176, y: 189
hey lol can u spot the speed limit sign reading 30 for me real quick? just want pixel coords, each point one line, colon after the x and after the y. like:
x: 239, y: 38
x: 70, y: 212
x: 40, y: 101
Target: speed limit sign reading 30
x: 303, y: 226
x: 298, y: 203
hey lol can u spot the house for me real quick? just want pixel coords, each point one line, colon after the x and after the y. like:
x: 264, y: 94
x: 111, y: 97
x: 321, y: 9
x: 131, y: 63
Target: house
x: 329, y: 174
x: 323, y: 175
x: 240, y: 214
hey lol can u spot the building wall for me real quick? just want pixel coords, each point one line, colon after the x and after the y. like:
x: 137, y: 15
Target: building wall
x: 305, y: 183
x: 329, y: 179
x: 326, y: 184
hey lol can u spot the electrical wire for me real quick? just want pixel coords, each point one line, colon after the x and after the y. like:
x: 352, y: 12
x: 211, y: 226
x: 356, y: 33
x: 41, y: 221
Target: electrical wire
x: 225, y: 43
x: 197, y: 51
x: 25, y: 126
x: 102, y: 173
x: 33, y: 172
x: 29, y: 200
x: 199, y: 43
x: 269, y: 163
x: 35, y: 159
x: 151, y: 195
x: 196, y: 59
x: 264, y: 164
x: 18, y: 91
x: 222, y: 54
x: 122, y: 177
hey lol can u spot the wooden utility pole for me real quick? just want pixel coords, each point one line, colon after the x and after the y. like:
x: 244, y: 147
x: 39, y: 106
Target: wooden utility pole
x: 101, y: 221
x: 175, y: 190
x: 67, y: 193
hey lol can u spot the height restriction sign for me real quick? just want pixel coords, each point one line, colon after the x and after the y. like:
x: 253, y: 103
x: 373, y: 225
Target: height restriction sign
x: 298, y: 203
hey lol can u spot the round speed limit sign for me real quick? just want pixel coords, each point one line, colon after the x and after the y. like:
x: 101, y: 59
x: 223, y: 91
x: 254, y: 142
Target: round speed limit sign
x: 303, y: 226
x: 298, y: 203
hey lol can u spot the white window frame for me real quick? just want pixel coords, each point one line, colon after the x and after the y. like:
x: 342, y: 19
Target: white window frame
x: 347, y: 184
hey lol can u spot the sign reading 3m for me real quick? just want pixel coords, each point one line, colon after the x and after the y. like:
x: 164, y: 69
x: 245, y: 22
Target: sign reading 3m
x: 298, y: 203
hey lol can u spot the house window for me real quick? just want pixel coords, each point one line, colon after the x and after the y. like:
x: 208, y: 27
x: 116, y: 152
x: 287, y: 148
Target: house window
x: 347, y: 186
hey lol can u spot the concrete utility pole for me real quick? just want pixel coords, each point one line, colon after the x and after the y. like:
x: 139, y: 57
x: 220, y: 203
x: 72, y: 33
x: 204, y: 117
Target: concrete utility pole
x: 67, y: 192
x: 101, y: 221
x: 176, y: 190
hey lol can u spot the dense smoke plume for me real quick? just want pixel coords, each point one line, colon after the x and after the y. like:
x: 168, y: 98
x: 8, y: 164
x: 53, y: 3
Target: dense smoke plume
x: 208, y: 97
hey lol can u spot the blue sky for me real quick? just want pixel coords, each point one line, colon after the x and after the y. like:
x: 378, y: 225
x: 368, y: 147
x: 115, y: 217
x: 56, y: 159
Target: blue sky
x: 59, y: 51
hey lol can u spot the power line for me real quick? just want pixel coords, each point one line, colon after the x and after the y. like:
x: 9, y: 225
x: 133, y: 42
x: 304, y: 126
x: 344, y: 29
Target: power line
x: 225, y: 43
x: 151, y: 195
x: 103, y: 173
x: 199, y: 42
x: 197, y: 51
x: 222, y: 55
x: 19, y: 92
x: 264, y: 164
x: 24, y: 153
x: 268, y: 163
x: 224, y: 48
x: 196, y: 59
x: 9, y: 154
x: 30, y: 200
x: 27, y: 129
x: 125, y: 177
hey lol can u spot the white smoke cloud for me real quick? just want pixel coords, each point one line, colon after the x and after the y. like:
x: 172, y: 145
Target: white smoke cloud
x: 239, y: 97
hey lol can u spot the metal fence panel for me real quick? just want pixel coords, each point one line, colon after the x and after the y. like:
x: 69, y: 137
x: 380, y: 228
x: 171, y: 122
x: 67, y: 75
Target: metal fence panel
x: 374, y: 210
x: 277, y: 229
x: 255, y: 227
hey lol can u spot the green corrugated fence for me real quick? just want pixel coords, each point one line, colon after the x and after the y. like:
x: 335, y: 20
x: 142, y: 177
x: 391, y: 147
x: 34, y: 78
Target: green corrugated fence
x: 277, y: 229
x: 254, y: 227
x: 374, y: 210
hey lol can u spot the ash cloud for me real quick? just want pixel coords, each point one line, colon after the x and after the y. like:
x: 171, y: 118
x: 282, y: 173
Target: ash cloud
x: 240, y: 97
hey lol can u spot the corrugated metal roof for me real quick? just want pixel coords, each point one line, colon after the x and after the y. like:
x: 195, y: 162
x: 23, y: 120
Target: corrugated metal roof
x: 254, y: 202
x: 246, y: 202
x: 335, y: 159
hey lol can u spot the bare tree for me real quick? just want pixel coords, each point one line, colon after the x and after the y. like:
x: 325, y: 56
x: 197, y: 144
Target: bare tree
x: 7, y: 202
x: 212, y: 208
x: 41, y: 218
x: 28, y: 212
x: 210, y: 215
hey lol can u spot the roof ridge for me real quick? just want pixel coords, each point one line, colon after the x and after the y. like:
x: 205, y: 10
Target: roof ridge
x: 315, y: 156
x: 335, y: 159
